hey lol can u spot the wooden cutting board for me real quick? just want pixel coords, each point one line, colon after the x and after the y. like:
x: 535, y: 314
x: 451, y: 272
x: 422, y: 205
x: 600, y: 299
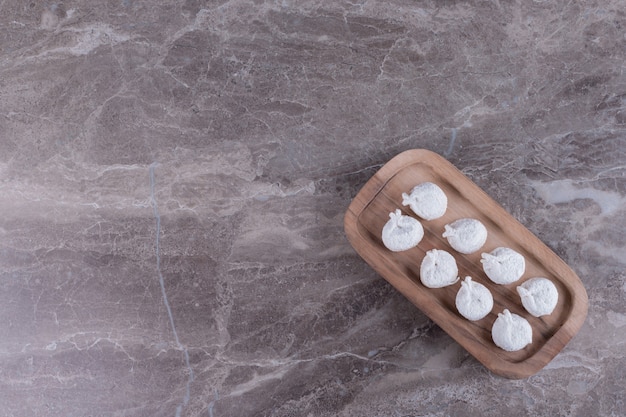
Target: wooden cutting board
x: 382, y: 194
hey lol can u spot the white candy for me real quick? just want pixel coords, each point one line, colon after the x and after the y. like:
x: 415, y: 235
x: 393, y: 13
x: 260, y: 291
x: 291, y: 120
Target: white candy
x: 474, y: 301
x: 426, y: 200
x: 511, y: 332
x: 539, y: 296
x: 503, y: 265
x: 402, y: 232
x: 438, y: 269
x: 466, y: 235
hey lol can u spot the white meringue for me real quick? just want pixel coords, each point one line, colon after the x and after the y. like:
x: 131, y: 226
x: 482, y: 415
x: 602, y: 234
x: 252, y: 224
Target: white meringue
x: 426, y: 200
x: 466, y: 235
x: 503, y: 265
x: 473, y: 300
x: 401, y: 232
x: 539, y: 296
x: 511, y: 332
x: 438, y: 269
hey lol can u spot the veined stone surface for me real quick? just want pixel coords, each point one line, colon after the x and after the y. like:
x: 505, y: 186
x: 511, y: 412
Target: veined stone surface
x: 174, y: 175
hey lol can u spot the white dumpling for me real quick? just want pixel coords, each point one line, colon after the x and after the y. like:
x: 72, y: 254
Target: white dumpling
x: 503, y: 265
x: 438, y: 269
x: 426, y: 200
x: 473, y: 300
x: 539, y: 296
x: 401, y: 232
x: 511, y: 332
x: 466, y: 235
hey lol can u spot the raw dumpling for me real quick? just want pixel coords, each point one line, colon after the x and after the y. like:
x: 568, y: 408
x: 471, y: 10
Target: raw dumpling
x: 511, y: 332
x: 466, y: 235
x: 438, y: 269
x: 474, y: 301
x: 539, y: 296
x: 402, y: 232
x: 503, y: 265
x: 426, y: 200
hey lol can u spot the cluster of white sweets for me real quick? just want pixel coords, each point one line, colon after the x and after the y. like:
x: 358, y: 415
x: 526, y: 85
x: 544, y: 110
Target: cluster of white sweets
x: 439, y: 269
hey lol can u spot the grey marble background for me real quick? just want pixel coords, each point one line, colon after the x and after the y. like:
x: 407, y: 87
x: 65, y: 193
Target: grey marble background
x: 174, y: 175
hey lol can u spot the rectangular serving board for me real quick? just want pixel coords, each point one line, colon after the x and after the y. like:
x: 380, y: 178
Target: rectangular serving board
x: 382, y: 194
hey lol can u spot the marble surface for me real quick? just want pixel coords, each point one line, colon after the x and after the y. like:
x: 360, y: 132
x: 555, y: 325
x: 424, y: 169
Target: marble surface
x: 174, y: 175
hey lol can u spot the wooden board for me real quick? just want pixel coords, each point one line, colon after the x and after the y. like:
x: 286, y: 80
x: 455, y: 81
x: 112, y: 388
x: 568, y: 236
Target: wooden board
x: 382, y: 194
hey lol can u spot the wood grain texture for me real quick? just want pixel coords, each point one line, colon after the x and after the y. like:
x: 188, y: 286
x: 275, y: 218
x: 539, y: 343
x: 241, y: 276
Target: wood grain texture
x: 368, y: 213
